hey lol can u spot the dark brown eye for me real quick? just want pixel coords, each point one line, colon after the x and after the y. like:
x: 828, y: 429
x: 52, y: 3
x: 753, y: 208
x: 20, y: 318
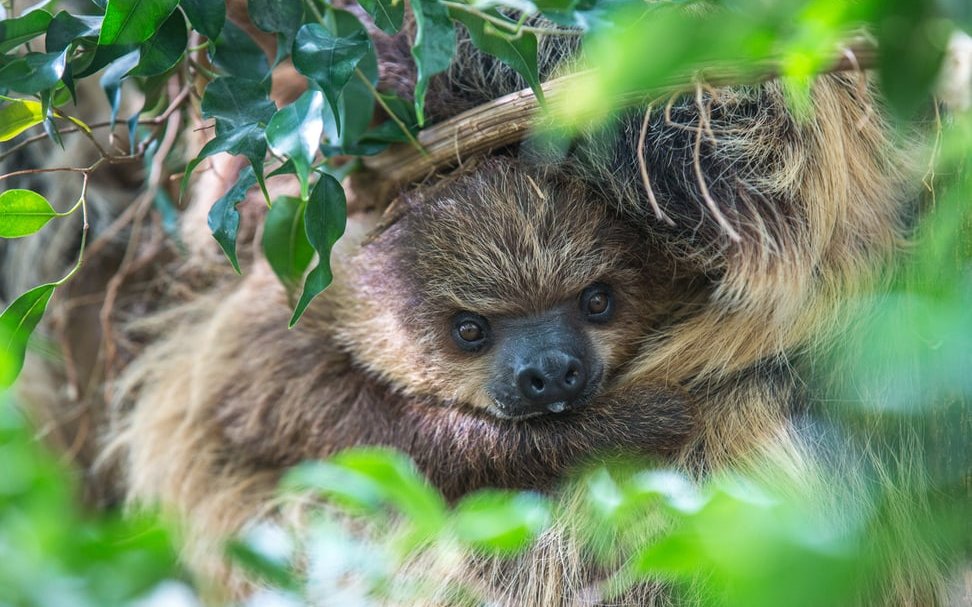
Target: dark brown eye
x: 596, y: 303
x: 470, y: 331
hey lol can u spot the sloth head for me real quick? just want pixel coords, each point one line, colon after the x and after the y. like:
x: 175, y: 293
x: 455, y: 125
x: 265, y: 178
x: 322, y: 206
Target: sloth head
x: 506, y: 289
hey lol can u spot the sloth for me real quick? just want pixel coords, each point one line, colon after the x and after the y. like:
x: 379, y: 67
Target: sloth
x: 525, y: 315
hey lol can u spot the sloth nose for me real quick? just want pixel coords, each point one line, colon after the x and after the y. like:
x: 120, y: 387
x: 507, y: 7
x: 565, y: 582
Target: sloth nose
x: 551, y: 381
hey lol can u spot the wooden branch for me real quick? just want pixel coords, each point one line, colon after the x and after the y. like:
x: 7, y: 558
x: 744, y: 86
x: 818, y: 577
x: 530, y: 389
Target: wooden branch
x: 507, y: 120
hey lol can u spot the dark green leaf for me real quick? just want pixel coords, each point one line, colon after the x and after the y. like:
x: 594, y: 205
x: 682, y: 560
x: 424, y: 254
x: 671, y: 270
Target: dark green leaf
x: 238, y: 55
x: 519, y: 53
x: 959, y: 11
x: 111, y: 81
x: 23, y: 212
x: 207, y: 17
x: 89, y: 63
x: 65, y: 28
x: 34, y: 72
x: 388, y: 14
x: 295, y: 131
x: 17, y: 322
x: 18, y: 115
x: 224, y: 219
x: 911, y: 43
x: 236, y: 102
x: 164, y: 49
x: 285, y: 243
x: 324, y: 218
x: 247, y: 140
x: 282, y: 17
x: 434, y: 46
x: 14, y: 32
x: 133, y: 21
x: 271, y: 570
x: 498, y: 521
x: 329, y: 60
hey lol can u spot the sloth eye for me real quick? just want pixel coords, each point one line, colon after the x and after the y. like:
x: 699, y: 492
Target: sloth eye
x: 596, y: 303
x: 470, y: 331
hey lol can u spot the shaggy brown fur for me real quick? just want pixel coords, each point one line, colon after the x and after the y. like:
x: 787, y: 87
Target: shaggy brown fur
x: 707, y: 357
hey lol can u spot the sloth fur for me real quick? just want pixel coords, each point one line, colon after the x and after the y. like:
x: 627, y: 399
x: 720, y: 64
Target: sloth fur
x: 211, y: 398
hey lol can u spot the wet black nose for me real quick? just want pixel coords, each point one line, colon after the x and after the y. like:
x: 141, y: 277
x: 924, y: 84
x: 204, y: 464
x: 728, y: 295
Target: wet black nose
x: 551, y: 381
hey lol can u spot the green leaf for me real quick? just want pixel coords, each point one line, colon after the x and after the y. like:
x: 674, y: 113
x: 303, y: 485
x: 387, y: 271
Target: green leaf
x: 164, y: 49
x: 247, y: 140
x: 133, y: 21
x: 278, y: 574
x: 324, y: 218
x: 34, y: 72
x: 911, y: 46
x: 282, y: 17
x: 18, y: 115
x: 433, y: 48
x: 237, y: 102
x: 17, y: 323
x: 499, y: 521
x: 329, y: 60
x: 207, y: 17
x: 23, y: 212
x: 65, y: 28
x: 388, y: 14
x: 295, y: 131
x: 14, y: 32
x: 224, y: 219
x: 111, y: 81
x: 238, y: 55
x: 519, y: 53
x: 285, y: 243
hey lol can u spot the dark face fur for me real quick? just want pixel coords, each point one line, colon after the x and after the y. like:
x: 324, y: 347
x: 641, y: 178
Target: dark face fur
x: 520, y: 295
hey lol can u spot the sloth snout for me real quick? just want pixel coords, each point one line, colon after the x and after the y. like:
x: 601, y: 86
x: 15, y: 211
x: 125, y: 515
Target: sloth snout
x: 551, y: 381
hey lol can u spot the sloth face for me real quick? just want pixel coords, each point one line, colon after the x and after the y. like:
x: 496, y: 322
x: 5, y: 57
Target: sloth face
x: 508, y: 290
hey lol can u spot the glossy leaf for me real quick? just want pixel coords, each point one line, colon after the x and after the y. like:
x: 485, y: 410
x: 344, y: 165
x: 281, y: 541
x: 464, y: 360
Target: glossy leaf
x: 388, y: 14
x: 433, y: 48
x: 207, y: 17
x: 17, y: 323
x: 65, y: 28
x: 23, y: 212
x: 520, y: 53
x: 18, y: 115
x: 133, y: 21
x: 247, y: 140
x: 34, y: 72
x: 501, y: 522
x: 285, y: 243
x: 237, y: 54
x: 224, y: 219
x: 295, y: 131
x: 236, y: 102
x: 282, y: 17
x: 163, y: 50
x: 325, y: 218
x: 329, y: 60
x: 14, y: 32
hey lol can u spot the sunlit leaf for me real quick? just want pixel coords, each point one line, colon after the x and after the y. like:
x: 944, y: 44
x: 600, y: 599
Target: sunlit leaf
x: 18, y: 115
x: 17, y: 323
x: 163, y: 50
x: 325, y: 218
x: 133, y: 21
x: 14, y: 32
x: 224, y: 219
x: 34, y: 72
x: 434, y: 46
x: 23, y: 212
x: 329, y: 60
x: 207, y: 17
x: 285, y: 243
x: 502, y: 522
x: 294, y: 132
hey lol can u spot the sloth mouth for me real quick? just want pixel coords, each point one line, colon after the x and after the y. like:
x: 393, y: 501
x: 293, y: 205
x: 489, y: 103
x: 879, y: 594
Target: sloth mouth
x: 501, y: 408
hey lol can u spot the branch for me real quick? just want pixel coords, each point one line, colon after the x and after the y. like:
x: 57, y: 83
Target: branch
x: 507, y: 120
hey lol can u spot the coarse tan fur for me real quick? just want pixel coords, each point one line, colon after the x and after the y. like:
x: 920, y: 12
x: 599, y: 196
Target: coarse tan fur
x: 212, y: 398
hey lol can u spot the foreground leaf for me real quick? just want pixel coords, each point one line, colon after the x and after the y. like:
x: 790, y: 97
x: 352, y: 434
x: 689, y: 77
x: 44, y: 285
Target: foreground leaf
x: 434, y: 46
x: 23, y: 212
x: 133, y: 21
x: 499, y: 521
x: 388, y: 14
x: 17, y: 116
x: 34, y: 72
x: 14, y: 32
x: 285, y: 243
x: 207, y: 17
x: 295, y: 132
x: 224, y: 219
x: 163, y: 50
x: 17, y: 323
x: 324, y: 218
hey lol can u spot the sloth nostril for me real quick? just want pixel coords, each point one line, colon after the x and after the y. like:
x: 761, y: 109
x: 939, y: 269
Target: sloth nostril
x: 571, y: 377
x: 537, y: 384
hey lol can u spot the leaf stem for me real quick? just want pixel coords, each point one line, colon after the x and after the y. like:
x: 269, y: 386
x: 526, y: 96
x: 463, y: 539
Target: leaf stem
x: 398, y: 121
x: 84, y: 232
x: 516, y: 28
